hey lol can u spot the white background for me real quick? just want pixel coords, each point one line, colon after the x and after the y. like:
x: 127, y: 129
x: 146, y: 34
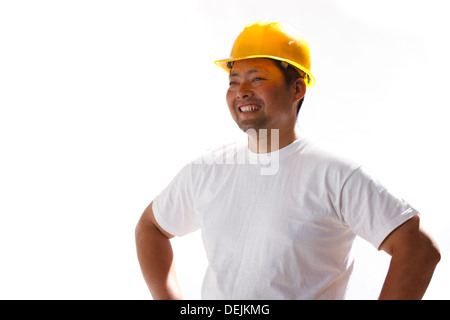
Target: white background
x: 102, y: 102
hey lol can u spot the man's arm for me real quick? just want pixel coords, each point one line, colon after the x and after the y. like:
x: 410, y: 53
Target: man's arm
x: 156, y: 258
x: 414, y: 258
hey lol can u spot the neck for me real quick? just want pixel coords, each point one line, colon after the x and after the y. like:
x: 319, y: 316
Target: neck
x: 270, y: 140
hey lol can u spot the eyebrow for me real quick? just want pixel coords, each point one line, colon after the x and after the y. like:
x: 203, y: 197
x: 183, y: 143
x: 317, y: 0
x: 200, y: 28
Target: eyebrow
x: 250, y: 72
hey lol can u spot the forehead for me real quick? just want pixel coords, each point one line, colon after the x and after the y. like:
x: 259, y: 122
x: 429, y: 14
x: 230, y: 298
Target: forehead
x: 242, y: 67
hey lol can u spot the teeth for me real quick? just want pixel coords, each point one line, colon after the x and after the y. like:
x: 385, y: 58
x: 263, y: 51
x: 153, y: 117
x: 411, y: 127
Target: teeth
x: 249, y: 108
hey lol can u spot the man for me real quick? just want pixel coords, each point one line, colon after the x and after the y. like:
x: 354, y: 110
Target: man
x: 285, y: 233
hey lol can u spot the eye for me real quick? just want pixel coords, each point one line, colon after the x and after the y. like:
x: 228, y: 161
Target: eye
x: 232, y: 83
x: 258, y: 79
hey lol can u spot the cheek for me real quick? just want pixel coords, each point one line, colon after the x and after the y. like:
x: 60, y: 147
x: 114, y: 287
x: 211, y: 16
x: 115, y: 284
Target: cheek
x: 276, y: 96
x: 230, y: 97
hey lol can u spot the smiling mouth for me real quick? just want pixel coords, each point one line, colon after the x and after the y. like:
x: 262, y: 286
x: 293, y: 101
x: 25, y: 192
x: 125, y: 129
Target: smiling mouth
x: 249, y: 108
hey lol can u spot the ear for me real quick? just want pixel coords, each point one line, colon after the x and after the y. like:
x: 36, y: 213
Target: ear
x: 299, y: 89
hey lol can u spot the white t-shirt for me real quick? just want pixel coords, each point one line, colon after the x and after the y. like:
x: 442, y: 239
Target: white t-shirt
x: 278, y: 229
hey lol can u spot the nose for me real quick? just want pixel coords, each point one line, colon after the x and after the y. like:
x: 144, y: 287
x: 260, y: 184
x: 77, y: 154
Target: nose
x: 244, y: 92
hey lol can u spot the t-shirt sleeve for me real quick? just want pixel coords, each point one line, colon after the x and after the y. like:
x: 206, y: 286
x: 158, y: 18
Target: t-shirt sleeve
x: 370, y: 209
x: 174, y: 208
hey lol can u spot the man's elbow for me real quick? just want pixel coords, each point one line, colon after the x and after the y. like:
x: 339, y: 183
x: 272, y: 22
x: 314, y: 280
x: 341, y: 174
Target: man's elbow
x: 429, y: 252
x: 144, y: 228
x: 434, y: 255
x: 425, y: 246
x: 138, y: 230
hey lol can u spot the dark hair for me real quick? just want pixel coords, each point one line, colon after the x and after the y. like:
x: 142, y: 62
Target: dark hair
x: 290, y: 75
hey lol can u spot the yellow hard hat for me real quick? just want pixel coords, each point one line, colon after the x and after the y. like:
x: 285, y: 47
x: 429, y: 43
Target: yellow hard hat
x: 275, y: 40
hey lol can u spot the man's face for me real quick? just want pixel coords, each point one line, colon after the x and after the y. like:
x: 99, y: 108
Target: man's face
x: 258, y: 96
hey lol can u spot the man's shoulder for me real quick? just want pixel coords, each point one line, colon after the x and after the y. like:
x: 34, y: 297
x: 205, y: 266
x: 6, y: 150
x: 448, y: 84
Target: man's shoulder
x: 226, y: 153
x: 318, y: 157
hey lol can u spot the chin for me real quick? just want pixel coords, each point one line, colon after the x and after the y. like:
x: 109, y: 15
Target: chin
x: 244, y: 126
x: 252, y: 126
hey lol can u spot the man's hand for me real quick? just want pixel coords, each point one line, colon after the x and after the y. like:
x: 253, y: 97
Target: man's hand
x: 414, y: 258
x: 156, y: 258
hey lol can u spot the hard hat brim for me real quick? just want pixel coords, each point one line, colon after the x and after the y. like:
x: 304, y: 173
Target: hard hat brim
x: 310, y: 81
